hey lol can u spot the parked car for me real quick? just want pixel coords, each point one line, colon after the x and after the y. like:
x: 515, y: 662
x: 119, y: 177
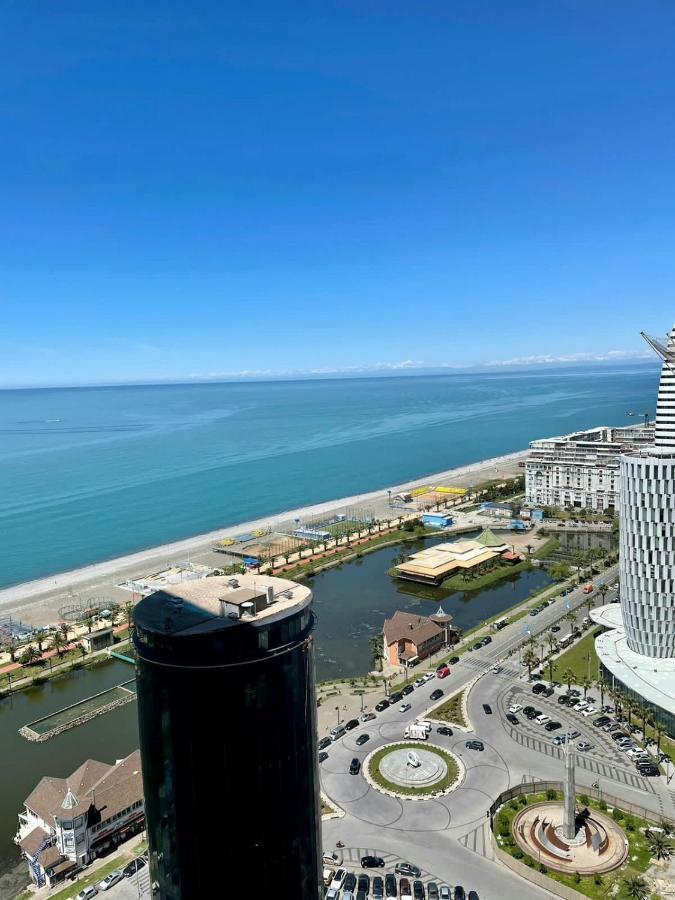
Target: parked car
x: 131, y: 868
x: 547, y: 692
x: 372, y: 862
x: 86, y: 893
x: 553, y: 726
x: 382, y: 705
x: 406, y: 868
x: 601, y: 722
x: 512, y: 719
x: 542, y: 719
x: 323, y: 756
x: 351, y: 724
x: 378, y: 888
x: 459, y: 892
x: 390, y: 885
x: 473, y: 895
x: 486, y: 640
x: 436, y: 695
x: 538, y: 688
x: 404, y: 889
x: 338, y: 878
x: 408, y: 689
x: 583, y: 746
x: 368, y: 717
x: 324, y: 742
x: 559, y: 739
x: 589, y: 711
x: 516, y: 707
x: 349, y: 883
x: 555, y: 628
x: 404, y: 707
x: 362, y: 739
x: 475, y: 745
x: 532, y: 713
x: 432, y: 890
x: 444, y: 892
x: 487, y: 709
x: 364, y: 883
x: 444, y: 729
x: 418, y: 890
x: 443, y: 671
x: 354, y: 767
x: 333, y: 894
x: 453, y: 660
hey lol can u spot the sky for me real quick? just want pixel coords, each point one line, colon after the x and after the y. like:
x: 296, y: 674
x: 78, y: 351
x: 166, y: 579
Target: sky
x: 194, y: 190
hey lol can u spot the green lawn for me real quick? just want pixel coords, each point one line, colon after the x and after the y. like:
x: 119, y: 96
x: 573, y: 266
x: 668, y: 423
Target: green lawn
x: 117, y: 863
x: 609, y: 885
x: 452, y: 710
x: 450, y: 778
x: 576, y: 659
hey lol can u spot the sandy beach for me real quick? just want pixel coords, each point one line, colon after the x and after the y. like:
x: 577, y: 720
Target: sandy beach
x: 37, y: 602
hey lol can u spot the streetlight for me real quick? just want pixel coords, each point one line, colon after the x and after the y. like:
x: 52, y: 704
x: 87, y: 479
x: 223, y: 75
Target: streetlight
x: 337, y: 710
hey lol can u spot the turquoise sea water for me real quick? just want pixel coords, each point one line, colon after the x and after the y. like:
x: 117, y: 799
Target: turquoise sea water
x: 88, y: 474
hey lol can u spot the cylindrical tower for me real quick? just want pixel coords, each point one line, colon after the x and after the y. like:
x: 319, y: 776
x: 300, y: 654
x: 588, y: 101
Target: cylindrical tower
x: 647, y: 535
x: 226, y: 706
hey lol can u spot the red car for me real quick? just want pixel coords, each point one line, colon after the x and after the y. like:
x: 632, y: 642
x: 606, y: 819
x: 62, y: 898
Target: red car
x: 442, y: 671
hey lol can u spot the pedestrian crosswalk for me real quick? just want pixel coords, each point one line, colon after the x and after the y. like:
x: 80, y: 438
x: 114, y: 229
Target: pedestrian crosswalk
x: 478, y: 841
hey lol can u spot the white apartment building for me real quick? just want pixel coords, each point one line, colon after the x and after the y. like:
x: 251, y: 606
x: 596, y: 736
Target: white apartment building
x: 67, y: 822
x: 581, y: 470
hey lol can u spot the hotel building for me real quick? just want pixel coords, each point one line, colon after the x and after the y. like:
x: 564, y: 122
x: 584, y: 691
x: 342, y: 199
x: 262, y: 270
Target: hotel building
x: 637, y: 652
x: 226, y: 707
x: 581, y: 470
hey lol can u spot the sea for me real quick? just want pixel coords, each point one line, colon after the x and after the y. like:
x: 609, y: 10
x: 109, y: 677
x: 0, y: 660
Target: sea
x: 89, y: 474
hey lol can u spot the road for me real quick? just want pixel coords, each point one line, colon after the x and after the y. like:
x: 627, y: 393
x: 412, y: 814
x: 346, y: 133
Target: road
x: 448, y: 837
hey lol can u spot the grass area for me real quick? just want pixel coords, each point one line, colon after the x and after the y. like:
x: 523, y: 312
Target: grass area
x: 576, y: 659
x: 326, y: 810
x: 450, y: 778
x: 499, y: 573
x: 547, y: 548
x: 452, y: 711
x: 597, y: 887
x: 94, y: 877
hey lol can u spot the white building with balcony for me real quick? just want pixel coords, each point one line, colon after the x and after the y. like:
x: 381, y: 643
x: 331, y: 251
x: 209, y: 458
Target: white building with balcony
x: 581, y: 470
x: 67, y: 822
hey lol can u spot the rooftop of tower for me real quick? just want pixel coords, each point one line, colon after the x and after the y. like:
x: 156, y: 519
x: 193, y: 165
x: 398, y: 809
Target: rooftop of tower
x: 219, y: 602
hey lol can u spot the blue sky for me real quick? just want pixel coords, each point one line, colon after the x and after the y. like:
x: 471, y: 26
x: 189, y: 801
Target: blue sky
x: 205, y: 189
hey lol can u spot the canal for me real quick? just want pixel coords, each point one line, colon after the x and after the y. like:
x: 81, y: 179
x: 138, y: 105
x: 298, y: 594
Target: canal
x: 350, y: 603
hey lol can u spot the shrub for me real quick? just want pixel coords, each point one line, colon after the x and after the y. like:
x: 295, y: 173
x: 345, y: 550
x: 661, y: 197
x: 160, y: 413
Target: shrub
x: 583, y: 798
x: 528, y: 860
x: 552, y: 794
x: 513, y: 804
x: 603, y: 805
x: 522, y: 800
x: 517, y: 853
x: 617, y: 814
x: 577, y: 878
x: 542, y: 869
x: 597, y: 880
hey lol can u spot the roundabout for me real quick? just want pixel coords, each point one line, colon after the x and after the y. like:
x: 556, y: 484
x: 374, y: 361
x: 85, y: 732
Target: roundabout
x: 412, y: 771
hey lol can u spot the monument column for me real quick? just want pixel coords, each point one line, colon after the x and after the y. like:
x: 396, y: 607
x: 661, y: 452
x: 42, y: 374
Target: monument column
x: 569, y: 799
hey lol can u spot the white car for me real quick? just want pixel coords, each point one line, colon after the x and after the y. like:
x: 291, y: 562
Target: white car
x: 542, y: 719
x: 338, y: 878
x: 404, y: 707
x: 110, y: 880
x: 580, y: 706
x: 515, y: 708
x: 420, y: 681
x: 444, y: 892
x: 591, y: 711
x: 333, y: 894
x: 429, y: 676
x: 583, y: 746
x: 86, y: 893
x: 497, y: 669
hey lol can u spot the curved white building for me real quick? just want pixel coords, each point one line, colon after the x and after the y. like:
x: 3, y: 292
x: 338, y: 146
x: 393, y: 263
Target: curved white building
x: 645, y: 630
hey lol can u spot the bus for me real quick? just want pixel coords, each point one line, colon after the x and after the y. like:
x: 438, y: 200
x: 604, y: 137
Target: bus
x: 566, y: 640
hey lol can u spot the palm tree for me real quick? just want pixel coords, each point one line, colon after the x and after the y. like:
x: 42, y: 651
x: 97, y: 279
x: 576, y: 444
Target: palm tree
x: 89, y: 622
x: 603, y: 588
x: 568, y: 677
x: 551, y: 669
x: 658, y: 728
x: 114, y: 612
x: 579, y: 561
x: 58, y: 643
x: 586, y: 683
x: 666, y: 827
x: 636, y: 887
x: 630, y: 706
x: 529, y: 548
x: 571, y: 617
x: 642, y: 710
x: 30, y: 655
x: 530, y: 660
x: 551, y: 638
x: 599, y: 684
x: 129, y: 615
x: 63, y: 628
x: 11, y: 648
x: 659, y: 845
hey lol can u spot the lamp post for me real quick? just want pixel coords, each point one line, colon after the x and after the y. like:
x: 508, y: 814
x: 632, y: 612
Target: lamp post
x: 337, y: 710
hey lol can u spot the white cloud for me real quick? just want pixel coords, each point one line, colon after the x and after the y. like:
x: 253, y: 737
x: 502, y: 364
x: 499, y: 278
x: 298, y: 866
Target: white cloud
x: 549, y: 359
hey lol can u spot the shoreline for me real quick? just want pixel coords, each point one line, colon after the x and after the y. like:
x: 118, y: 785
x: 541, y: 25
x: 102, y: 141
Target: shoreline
x: 27, y: 593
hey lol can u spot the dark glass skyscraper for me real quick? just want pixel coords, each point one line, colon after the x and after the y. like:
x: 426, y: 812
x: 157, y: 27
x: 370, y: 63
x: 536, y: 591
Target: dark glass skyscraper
x: 226, y: 707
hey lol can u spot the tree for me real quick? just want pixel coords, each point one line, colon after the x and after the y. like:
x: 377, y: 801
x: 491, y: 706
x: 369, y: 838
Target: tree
x: 58, y: 643
x: 603, y: 588
x: 11, y: 648
x: 600, y: 686
x: 29, y: 656
x: 586, y: 683
x: 658, y: 728
x: 129, y: 615
x: 559, y: 571
x: 114, y: 612
x: 642, y: 710
x: 530, y: 660
x: 551, y: 669
x: 568, y: 677
x: 63, y: 628
x: 89, y: 622
x: 529, y: 548
x: 636, y: 887
x: 552, y: 641
x: 571, y: 617
x: 659, y: 845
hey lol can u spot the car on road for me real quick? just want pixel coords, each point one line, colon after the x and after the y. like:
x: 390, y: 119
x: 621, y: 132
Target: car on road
x: 372, y: 862
x: 474, y: 745
x: 420, y: 681
x: 323, y: 756
x: 382, y: 705
x: 428, y: 676
x: 436, y: 695
x: 418, y: 890
x: 555, y: 628
x: 354, y: 766
x: 443, y: 671
x: 444, y: 729
x: 86, y: 893
x: 396, y: 697
x: 547, y: 692
x: 583, y: 746
x: 110, y: 879
x: 368, y: 717
x: 486, y: 640
x: 497, y: 670
x: 351, y: 724
x: 512, y: 719
x: 538, y: 688
x: 378, y: 888
x: 487, y: 709
x: 364, y: 883
x: 405, y: 892
x: 453, y: 660
x: 404, y: 707
x: 406, y: 868
x: 408, y: 689
x: 602, y: 721
x: 134, y: 866
x: 338, y: 878
x: 324, y: 742
x: 362, y: 739
x: 390, y: 885
x: 349, y: 882
x: 553, y: 726
x: 514, y: 708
